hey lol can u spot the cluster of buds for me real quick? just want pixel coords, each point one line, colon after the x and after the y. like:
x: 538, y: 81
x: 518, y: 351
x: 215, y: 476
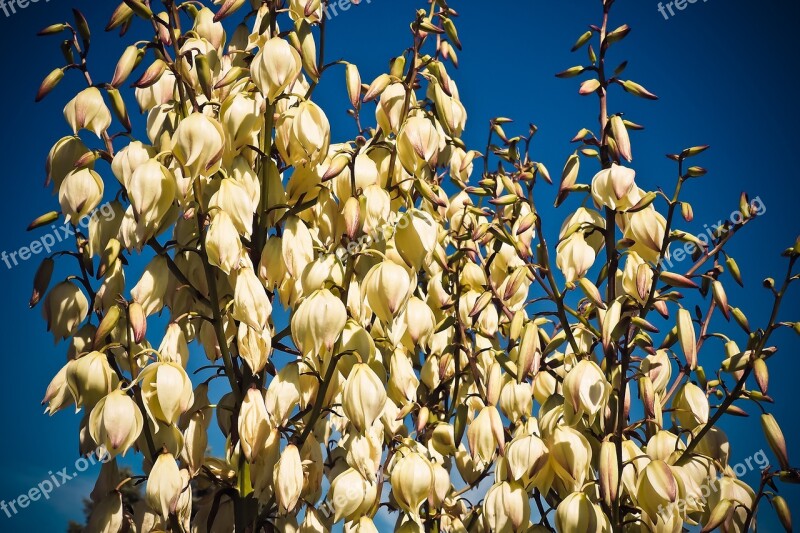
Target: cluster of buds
x: 432, y: 357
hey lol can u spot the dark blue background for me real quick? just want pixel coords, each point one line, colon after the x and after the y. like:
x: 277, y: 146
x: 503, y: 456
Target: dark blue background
x: 725, y: 72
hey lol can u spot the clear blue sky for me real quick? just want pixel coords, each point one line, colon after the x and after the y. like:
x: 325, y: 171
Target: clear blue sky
x: 724, y: 71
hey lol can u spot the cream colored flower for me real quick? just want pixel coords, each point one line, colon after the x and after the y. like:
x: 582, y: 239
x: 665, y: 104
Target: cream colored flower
x: 116, y: 422
x: 88, y: 111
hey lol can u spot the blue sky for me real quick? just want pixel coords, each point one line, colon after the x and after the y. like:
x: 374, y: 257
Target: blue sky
x: 724, y: 71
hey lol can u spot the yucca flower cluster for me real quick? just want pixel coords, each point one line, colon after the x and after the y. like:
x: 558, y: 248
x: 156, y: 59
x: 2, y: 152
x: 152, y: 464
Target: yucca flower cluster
x: 441, y: 360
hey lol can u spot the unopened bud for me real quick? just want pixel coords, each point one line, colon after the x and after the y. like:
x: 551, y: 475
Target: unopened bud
x: 137, y: 321
x: 107, y: 325
x: 43, y: 220
x: 49, y: 83
x: 41, y: 281
x: 775, y: 439
x: 687, y: 211
x: 783, y: 512
x: 228, y: 8
x: 128, y: 61
x: 353, y: 81
x: 687, y: 337
x: 741, y: 319
x: 608, y: 470
x: 761, y: 373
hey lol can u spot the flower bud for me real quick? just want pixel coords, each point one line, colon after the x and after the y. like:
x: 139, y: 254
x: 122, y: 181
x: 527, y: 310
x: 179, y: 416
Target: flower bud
x: 65, y: 307
x: 364, y: 397
x: 637, y: 278
x: 198, y: 144
x: 254, y: 426
x: 623, y: 141
x: 608, y: 470
x: 90, y: 378
x: 783, y: 512
x: 353, y: 82
x: 49, y: 83
x: 167, y: 391
x: 275, y: 68
x: 352, y: 216
x: 516, y: 400
x: 775, y: 439
x: 318, y: 322
x: 351, y: 495
x: 288, y: 479
x: 116, y: 422
x: 80, y: 192
x: 164, y: 486
x: 88, y: 111
x: 450, y: 110
x: 386, y: 288
x: 412, y: 482
x: 129, y: 60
